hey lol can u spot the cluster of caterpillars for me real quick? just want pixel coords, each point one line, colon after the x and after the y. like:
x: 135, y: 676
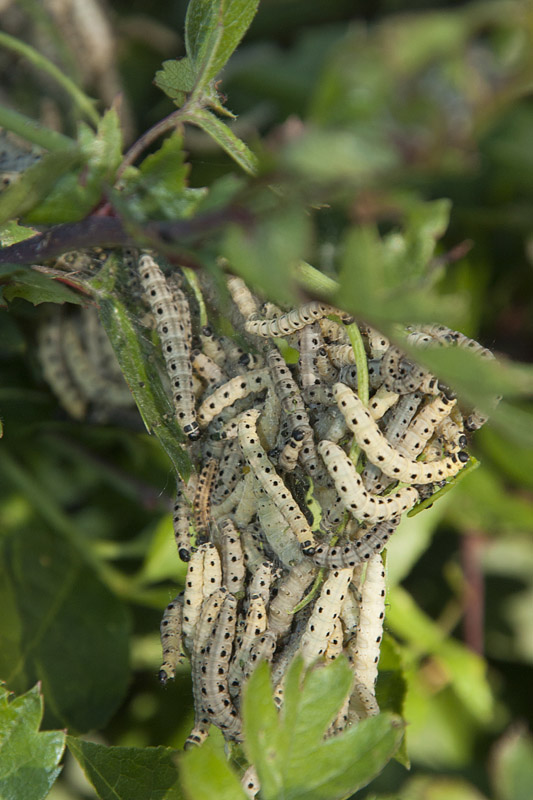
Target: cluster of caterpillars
x: 296, y: 489
x: 281, y: 530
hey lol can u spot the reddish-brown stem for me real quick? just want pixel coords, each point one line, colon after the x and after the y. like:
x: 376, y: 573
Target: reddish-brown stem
x: 473, y: 544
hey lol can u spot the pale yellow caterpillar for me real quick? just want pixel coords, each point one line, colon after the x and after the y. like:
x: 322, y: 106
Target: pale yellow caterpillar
x: 380, y: 451
x: 294, y: 320
x: 271, y: 482
x: 321, y: 623
x: 364, y: 654
x: 225, y: 395
x: 171, y: 643
x: 173, y: 333
x: 233, y: 570
x: 360, y: 503
x: 349, y: 554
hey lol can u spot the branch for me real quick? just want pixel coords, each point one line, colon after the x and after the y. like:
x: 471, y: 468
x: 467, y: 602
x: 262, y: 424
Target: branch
x: 97, y: 231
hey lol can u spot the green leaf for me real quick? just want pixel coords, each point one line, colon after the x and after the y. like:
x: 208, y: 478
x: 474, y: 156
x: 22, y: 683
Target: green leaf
x: 391, y: 689
x: 423, y: 787
x: 128, y: 773
x: 326, y: 155
x: 29, y: 760
x: 213, y: 30
x: 176, y: 79
x: 158, y: 189
x: 135, y: 353
x: 76, y: 194
x: 225, y: 137
x: 513, y: 766
x: 263, y: 740
x: 265, y: 254
x: 61, y: 621
x: 37, y: 288
x: 37, y: 182
x: 292, y: 758
x: 12, y: 232
x: 206, y: 774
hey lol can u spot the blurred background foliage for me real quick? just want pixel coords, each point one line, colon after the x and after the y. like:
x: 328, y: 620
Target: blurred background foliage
x: 364, y: 109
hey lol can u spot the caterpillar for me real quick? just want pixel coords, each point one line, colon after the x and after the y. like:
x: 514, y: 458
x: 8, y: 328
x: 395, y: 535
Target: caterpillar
x: 289, y: 455
x: 349, y: 614
x: 325, y: 612
x: 262, y: 649
x: 242, y: 297
x: 380, y: 451
x: 325, y: 369
x: 173, y: 333
x: 309, y: 343
x: 202, y: 497
x: 193, y: 595
x: 381, y: 402
x: 423, y: 426
x: 250, y: 783
x: 364, y: 654
x: 246, y: 506
x: 262, y: 580
x: 214, y: 673
x: 363, y: 704
x: 252, y: 547
x: 377, y: 343
x: 211, y: 346
x: 334, y: 646
x: 255, y: 625
x: 230, y: 502
x: 268, y: 423
x: 359, y: 550
x: 291, y: 589
x: 171, y: 643
x: 403, y: 376
x: 51, y: 358
x: 233, y: 568
x: 293, y: 405
x: 293, y: 320
x: 225, y: 395
x: 277, y: 532
x: 181, y: 519
x: 212, y: 575
x: 348, y: 375
x: 355, y: 498
x: 207, y: 369
x: 271, y: 482
x: 207, y: 613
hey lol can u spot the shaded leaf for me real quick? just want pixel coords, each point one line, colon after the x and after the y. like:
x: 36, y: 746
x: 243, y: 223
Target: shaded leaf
x: 176, y: 79
x: 513, y: 766
x: 36, y: 288
x: 37, y: 182
x: 391, y: 688
x: 61, y: 621
x: 29, y: 759
x: 134, y: 353
x: 12, y: 232
x: 128, y: 773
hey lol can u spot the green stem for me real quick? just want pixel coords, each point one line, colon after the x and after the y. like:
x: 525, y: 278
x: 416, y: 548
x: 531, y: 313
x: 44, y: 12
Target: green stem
x: 428, y: 502
x: 80, y: 99
x: 314, y: 280
x: 32, y: 131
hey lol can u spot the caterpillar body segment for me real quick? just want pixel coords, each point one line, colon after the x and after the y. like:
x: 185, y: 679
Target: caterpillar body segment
x: 365, y: 653
x: 325, y: 613
x: 294, y: 320
x: 181, y: 518
x: 424, y: 424
x: 381, y: 453
x: 226, y: 395
x: 242, y: 297
x: 207, y: 369
x: 276, y: 530
x: 255, y: 625
x: 355, y: 498
x: 290, y: 453
x: 309, y: 343
x: 212, y: 576
x: 214, y: 674
x: 381, y: 402
x: 171, y: 643
x: 291, y: 590
x: 233, y: 569
x: 193, y: 595
x: 202, y: 497
x: 271, y: 482
x: 211, y: 347
x: 173, y: 333
x: 352, y: 553
x: 262, y: 650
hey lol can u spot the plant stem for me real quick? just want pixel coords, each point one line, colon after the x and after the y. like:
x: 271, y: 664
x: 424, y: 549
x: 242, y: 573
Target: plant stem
x: 84, y: 103
x: 33, y: 131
